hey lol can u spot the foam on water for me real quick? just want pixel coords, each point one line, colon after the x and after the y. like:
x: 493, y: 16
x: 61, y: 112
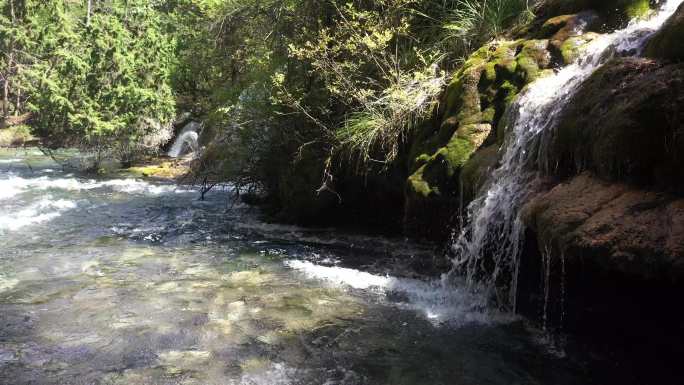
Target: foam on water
x: 10, y: 161
x: 44, y: 210
x: 7, y: 283
x: 438, y: 302
x: 14, y: 185
x: 275, y: 374
x: 340, y: 275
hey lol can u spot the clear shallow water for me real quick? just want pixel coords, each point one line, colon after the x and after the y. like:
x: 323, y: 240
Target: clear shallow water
x: 122, y: 281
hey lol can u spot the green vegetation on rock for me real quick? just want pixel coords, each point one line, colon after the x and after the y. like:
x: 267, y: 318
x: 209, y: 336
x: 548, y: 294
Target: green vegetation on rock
x: 475, y: 101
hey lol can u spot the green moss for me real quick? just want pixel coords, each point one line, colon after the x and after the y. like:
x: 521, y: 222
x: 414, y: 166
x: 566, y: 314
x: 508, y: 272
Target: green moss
x: 571, y: 48
x: 532, y: 58
x: 638, y: 8
x: 555, y: 24
x: 422, y: 159
x: 475, y: 101
x: 438, y: 172
x: 455, y: 154
x: 489, y: 114
x: 528, y: 68
x: 475, y: 170
x: 418, y: 185
x: 615, y: 12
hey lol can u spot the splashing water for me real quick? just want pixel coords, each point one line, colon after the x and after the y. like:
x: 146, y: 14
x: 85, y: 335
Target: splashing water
x: 488, y: 248
x: 186, y: 141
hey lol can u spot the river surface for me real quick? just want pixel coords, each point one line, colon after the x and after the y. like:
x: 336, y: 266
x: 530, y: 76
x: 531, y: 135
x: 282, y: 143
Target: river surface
x: 124, y: 281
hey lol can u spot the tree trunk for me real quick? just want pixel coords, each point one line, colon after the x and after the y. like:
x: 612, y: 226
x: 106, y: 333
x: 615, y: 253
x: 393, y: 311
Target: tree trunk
x: 90, y: 7
x: 5, y: 97
x: 10, y: 62
x: 17, y: 104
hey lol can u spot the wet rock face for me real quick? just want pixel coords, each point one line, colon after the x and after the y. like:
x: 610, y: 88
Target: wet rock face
x: 626, y: 123
x: 667, y: 43
x: 614, y: 226
x: 611, y: 234
x: 605, y: 261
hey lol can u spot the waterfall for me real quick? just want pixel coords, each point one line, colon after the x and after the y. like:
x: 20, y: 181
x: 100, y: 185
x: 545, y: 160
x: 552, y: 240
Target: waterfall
x: 186, y: 140
x: 488, y: 248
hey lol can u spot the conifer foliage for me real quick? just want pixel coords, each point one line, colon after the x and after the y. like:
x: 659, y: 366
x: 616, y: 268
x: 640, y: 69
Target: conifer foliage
x: 95, y: 74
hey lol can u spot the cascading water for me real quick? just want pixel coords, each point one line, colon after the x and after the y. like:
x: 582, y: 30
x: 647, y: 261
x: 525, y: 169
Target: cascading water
x: 186, y: 141
x: 488, y: 248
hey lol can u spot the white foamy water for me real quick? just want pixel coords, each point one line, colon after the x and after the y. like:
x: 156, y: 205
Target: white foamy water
x: 340, y: 275
x: 186, y: 141
x: 438, y: 302
x: 42, y: 211
x: 10, y: 161
x: 275, y: 374
x: 494, y: 233
x: 13, y: 185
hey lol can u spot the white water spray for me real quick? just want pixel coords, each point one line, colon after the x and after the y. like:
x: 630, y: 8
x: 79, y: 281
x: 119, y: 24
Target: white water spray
x: 186, y: 141
x: 487, y: 250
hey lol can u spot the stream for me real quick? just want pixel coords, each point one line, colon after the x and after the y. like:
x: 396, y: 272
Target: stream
x: 124, y: 281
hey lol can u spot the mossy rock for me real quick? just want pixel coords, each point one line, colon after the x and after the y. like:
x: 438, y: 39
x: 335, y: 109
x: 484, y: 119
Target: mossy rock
x: 625, y: 123
x: 160, y: 169
x: 476, y: 171
x: 572, y: 47
x: 615, y: 13
x: 533, y: 57
x: 667, y: 43
x: 473, y: 105
x: 567, y: 34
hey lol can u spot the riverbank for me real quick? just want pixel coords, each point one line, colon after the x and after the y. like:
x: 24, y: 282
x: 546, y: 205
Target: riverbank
x: 15, y: 136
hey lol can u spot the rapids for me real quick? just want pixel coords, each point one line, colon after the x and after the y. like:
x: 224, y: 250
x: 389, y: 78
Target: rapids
x: 123, y: 281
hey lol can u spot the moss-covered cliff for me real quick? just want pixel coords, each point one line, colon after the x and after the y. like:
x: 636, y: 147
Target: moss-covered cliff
x: 468, y: 128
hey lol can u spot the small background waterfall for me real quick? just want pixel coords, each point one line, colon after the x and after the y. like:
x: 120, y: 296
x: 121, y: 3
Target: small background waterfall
x: 488, y: 248
x: 186, y: 140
